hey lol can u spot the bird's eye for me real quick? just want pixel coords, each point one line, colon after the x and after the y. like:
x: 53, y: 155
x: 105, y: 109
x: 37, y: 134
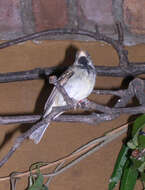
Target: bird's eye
x: 83, y: 60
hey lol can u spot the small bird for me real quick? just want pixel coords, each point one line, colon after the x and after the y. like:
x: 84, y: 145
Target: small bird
x: 78, y: 87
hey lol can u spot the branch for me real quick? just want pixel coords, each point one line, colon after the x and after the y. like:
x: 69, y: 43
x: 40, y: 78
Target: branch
x: 136, y: 88
x: 83, y: 150
x: 107, y: 113
x: 96, y: 36
x: 38, y: 73
x: 29, y: 74
x: 126, y: 68
x: 37, y: 127
x: 93, y: 118
x: 120, y: 33
x: 24, y: 136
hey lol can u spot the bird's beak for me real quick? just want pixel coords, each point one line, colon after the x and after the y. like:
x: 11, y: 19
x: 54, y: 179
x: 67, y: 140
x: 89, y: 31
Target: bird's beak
x: 82, y: 54
x: 83, y: 58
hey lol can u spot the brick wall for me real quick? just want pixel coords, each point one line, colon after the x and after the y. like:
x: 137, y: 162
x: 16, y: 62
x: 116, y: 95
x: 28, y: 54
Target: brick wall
x: 21, y: 17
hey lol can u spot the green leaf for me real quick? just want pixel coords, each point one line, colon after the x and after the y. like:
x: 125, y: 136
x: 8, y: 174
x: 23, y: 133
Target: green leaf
x: 131, y: 145
x: 142, y: 174
x: 117, y: 172
x: 141, y: 141
x: 136, y: 163
x: 129, y: 177
x: 142, y: 167
x: 38, y: 183
x: 142, y: 177
x: 138, y: 124
x: 44, y: 187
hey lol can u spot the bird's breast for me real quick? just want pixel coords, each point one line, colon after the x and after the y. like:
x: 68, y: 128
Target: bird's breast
x: 78, y: 87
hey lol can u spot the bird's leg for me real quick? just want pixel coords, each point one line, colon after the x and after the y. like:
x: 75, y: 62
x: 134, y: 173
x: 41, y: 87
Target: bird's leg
x: 83, y: 103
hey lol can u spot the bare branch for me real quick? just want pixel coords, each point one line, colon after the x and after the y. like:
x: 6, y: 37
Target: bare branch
x: 100, y: 112
x: 119, y: 93
x: 125, y: 70
x: 78, y: 152
x: 38, y: 73
x: 55, y: 111
x: 136, y: 88
x: 120, y: 33
x: 24, y: 136
x: 108, y: 114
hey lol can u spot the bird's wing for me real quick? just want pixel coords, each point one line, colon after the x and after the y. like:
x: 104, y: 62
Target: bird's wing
x: 50, y: 99
x: 62, y: 80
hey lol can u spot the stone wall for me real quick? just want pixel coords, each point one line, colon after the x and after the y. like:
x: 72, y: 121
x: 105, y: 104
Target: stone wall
x: 22, y: 17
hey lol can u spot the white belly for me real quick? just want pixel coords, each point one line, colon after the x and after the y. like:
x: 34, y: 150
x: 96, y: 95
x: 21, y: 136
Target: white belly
x: 77, y: 87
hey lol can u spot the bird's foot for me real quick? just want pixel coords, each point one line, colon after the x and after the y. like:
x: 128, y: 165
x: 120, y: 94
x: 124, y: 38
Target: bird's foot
x: 83, y: 103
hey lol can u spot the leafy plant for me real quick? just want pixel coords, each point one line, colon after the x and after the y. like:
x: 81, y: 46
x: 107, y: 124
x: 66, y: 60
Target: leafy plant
x: 36, y: 183
x: 130, y: 164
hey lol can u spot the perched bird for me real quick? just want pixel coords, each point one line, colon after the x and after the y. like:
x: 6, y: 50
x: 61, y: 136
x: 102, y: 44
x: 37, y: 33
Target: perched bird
x: 78, y: 86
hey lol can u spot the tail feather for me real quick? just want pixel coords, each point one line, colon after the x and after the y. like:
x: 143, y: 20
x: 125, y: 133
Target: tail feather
x: 37, y: 135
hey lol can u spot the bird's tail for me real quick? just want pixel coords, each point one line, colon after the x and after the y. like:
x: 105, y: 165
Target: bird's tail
x: 37, y: 135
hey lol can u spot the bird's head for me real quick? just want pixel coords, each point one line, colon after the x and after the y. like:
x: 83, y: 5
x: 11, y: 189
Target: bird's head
x: 83, y: 59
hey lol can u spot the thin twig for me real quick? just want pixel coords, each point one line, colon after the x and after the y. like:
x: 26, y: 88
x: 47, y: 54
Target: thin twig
x: 119, y: 93
x: 56, y: 169
x: 78, y: 152
x: 55, y: 111
x: 24, y: 136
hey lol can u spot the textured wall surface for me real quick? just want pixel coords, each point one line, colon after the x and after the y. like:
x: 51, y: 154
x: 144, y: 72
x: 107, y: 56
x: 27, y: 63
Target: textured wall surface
x: 21, y: 17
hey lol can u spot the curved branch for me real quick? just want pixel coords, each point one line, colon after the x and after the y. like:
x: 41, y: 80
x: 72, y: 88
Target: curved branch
x: 123, y: 59
x: 124, y: 69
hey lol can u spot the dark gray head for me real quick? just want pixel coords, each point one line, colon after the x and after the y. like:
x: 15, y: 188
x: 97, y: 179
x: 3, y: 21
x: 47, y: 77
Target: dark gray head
x: 83, y: 59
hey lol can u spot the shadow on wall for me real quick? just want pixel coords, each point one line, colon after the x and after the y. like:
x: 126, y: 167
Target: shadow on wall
x: 43, y: 95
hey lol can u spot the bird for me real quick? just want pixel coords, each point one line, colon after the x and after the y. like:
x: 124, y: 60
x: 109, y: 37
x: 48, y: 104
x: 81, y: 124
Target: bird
x: 78, y: 86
